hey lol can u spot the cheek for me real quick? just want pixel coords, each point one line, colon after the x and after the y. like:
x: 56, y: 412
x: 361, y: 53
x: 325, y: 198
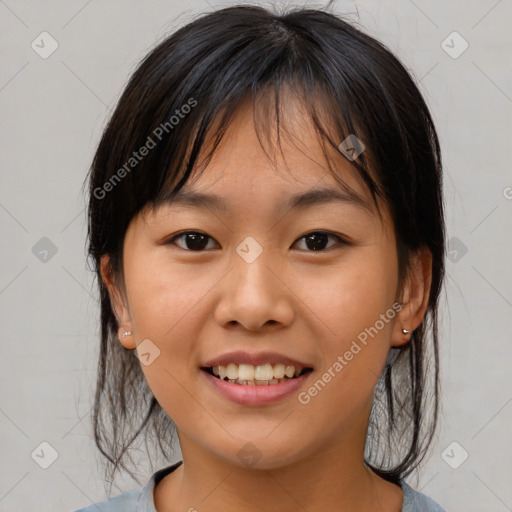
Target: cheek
x: 352, y: 295
x: 354, y: 305
x: 168, y: 307
x: 165, y: 298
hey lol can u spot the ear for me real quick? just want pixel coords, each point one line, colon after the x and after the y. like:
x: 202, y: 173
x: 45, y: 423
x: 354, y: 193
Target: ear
x: 415, y: 295
x: 119, y: 304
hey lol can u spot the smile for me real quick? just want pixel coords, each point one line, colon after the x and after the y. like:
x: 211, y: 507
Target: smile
x: 258, y: 390
x: 259, y: 375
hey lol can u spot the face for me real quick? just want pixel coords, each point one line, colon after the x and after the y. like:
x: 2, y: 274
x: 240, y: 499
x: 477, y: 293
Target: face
x: 316, y: 283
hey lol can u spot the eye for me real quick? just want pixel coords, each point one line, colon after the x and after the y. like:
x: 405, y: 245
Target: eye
x: 194, y: 240
x: 316, y: 240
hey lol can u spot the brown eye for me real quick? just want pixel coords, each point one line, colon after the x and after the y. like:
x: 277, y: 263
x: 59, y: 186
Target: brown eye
x: 193, y: 241
x: 317, y: 240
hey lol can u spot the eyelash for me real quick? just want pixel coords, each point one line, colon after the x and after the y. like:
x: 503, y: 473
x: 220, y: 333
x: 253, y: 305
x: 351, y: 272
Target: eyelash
x: 342, y: 241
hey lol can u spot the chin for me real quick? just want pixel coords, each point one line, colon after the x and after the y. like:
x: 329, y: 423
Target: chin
x: 263, y: 454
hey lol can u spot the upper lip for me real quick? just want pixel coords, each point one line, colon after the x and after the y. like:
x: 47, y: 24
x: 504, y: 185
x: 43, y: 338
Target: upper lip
x: 256, y: 359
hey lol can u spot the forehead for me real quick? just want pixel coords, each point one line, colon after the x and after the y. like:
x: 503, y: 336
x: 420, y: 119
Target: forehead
x: 193, y: 198
x: 296, y: 176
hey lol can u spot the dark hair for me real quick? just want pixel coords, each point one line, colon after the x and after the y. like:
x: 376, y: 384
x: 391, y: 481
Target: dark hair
x: 350, y: 84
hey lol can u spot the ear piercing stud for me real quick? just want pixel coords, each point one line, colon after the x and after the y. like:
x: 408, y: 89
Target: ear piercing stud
x: 405, y: 331
x: 126, y: 333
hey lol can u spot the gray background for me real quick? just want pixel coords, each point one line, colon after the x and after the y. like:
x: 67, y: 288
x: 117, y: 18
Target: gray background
x: 53, y: 111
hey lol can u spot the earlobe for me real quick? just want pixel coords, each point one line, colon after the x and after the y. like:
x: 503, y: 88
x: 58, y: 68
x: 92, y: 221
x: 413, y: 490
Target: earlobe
x: 416, y: 292
x: 118, y: 304
x: 126, y: 338
x: 401, y: 333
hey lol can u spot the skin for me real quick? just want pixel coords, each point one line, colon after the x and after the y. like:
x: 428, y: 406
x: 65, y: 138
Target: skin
x: 309, y: 305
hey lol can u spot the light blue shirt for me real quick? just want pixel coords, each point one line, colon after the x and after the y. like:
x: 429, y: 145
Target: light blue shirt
x: 141, y: 499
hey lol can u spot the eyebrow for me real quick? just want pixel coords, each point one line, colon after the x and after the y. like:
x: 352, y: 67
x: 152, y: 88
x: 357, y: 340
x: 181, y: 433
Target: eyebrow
x: 299, y: 201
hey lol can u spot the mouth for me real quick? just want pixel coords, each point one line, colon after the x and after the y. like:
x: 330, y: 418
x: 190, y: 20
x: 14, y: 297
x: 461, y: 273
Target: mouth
x: 260, y: 375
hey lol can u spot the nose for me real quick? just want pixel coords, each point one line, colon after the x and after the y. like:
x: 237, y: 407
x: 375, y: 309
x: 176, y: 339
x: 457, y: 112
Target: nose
x: 254, y: 296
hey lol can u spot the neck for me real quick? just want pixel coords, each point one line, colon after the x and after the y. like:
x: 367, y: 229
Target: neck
x: 330, y: 479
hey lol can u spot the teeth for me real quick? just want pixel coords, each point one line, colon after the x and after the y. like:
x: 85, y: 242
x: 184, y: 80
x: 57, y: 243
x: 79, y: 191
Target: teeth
x: 259, y: 375
x: 232, y: 371
x: 279, y: 371
x: 246, y: 372
x: 263, y: 372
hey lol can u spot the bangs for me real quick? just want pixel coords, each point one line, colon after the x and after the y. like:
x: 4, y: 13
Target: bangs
x: 271, y: 107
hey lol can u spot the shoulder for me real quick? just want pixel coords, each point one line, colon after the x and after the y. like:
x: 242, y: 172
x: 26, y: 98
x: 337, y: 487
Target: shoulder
x: 415, y: 501
x: 125, y: 502
x: 136, y: 500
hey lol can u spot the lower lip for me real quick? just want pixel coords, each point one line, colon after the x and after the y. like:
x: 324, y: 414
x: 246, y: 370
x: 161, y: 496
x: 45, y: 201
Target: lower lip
x: 245, y: 394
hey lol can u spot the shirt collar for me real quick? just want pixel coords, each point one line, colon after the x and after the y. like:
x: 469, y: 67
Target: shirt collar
x: 146, y: 501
